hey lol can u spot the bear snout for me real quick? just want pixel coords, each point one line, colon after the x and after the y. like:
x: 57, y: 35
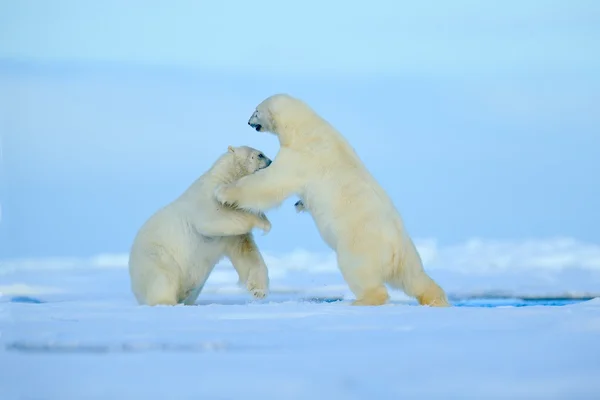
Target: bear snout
x: 257, y: 127
x: 254, y: 121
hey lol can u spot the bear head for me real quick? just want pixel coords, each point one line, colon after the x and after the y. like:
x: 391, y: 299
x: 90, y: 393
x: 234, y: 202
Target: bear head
x: 249, y: 159
x: 280, y: 114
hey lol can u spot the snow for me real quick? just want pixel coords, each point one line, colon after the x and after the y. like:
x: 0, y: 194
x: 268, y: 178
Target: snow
x: 70, y: 329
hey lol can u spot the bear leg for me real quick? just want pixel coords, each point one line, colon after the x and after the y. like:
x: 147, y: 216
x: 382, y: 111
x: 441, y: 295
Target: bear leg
x: 193, y: 296
x: 432, y: 295
x: 363, y: 278
x: 416, y: 283
x: 161, y: 291
x: 372, y: 297
x: 249, y: 264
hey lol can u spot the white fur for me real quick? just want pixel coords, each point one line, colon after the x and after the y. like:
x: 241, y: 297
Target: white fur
x: 353, y: 214
x: 177, y: 248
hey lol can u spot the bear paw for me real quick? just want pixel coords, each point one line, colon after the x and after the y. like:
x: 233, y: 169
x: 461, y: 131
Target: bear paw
x: 258, y: 294
x: 257, y: 291
x: 258, y: 284
x: 263, y: 224
x: 223, y: 195
x: 299, y: 206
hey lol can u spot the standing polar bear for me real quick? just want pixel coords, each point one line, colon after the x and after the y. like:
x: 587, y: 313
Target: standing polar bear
x: 353, y: 214
x: 177, y: 248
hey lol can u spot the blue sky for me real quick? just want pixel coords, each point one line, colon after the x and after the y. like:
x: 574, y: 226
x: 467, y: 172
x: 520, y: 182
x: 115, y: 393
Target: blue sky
x: 310, y: 38
x: 479, y: 119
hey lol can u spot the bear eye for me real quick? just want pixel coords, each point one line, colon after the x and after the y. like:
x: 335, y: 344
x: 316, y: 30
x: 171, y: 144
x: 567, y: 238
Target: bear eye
x: 261, y: 156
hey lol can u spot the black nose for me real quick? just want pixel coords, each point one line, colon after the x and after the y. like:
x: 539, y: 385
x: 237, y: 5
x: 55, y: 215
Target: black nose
x: 269, y: 162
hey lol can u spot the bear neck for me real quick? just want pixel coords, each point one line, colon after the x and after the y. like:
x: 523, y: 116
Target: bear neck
x: 226, y: 170
x: 295, y: 135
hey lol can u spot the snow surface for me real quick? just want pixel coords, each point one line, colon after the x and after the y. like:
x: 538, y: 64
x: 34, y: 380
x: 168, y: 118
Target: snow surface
x: 70, y: 329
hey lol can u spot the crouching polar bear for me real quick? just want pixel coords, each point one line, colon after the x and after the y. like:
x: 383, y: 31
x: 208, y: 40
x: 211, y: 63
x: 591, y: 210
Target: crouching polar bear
x: 353, y: 214
x: 177, y: 248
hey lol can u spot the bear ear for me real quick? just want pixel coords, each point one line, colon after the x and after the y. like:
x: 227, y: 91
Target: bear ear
x: 230, y: 149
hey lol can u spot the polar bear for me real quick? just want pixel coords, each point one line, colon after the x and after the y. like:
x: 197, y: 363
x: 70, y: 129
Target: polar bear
x: 353, y: 214
x: 177, y: 248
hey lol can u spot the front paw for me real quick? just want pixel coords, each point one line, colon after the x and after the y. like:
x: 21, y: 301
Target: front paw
x: 223, y: 195
x: 258, y: 294
x: 258, y: 285
x: 263, y: 224
x: 299, y: 206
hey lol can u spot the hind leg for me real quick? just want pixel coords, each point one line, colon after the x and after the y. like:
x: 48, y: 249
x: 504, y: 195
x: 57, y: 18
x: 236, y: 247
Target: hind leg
x: 363, y: 276
x: 193, y: 296
x: 160, y: 291
x: 151, y: 283
x: 415, y: 282
x: 428, y: 293
x: 374, y: 296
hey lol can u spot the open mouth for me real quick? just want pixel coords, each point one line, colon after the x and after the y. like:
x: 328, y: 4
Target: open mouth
x: 257, y: 127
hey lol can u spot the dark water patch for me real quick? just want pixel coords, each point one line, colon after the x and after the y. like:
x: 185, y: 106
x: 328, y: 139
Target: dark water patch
x: 272, y: 298
x: 322, y: 299
x: 467, y: 301
x: 456, y: 302
x: 26, y: 299
x: 476, y: 302
x: 91, y: 348
x: 548, y: 302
